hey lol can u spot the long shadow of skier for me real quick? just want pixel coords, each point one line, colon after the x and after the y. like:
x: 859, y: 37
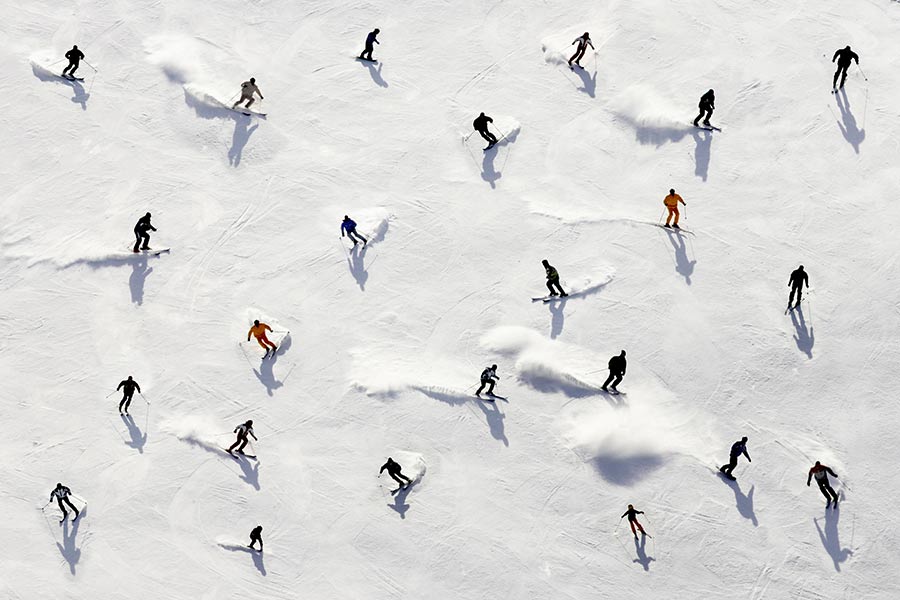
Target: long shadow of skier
x: 374, y: 72
x: 831, y: 539
x: 494, y: 420
x: 356, y: 261
x: 266, y: 372
x: 642, y: 558
x: 744, y: 502
x: 257, y: 556
x: 703, y: 141
x: 557, y: 317
x: 80, y: 96
x: 805, y: 338
x: 400, y: 504
x: 69, y: 551
x: 488, y: 171
x: 139, y: 273
x: 251, y: 471
x: 240, y: 138
x: 850, y: 131
x: 683, y: 265
x: 138, y: 439
x: 588, y: 81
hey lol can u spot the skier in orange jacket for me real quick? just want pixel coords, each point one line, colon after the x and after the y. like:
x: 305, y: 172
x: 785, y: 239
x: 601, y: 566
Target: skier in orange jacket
x: 259, y: 332
x: 671, y: 201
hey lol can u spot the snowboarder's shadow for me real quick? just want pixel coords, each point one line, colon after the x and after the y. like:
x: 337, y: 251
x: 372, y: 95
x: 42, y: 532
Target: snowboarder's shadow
x: 250, y: 470
x: 67, y: 548
x: 557, y: 317
x: 138, y: 439
x: 356, y: 261
x: 589, y: 81
x: 743, y: 502
x: 266, y: 373
x: 494, y: 419
x: 683, y: 265
x: 850, y: 131
x: 400, y: 504
x: 703, y: 139
x: 139, y: 273
x: 642, y: 558
x: 831, y: 539
x: 805, y: 337
x: 44, y: 74
x: 374, y: 72
x: 254, y: 554
x: 240, y: 138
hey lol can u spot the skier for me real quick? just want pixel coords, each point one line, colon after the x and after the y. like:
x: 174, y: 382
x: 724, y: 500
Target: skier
x: 248, y: 88
x: 348, y: 226
x: 370, y: 39
x: 141, y: 233
x: 61, y: 493
x: 393, y: 469
x: 707, y: 105
x: 256, y: 536
x: 553, y: 279
x: 737, y: 448
x: 583, y: 42
x: 127, y: 386
x: 844, y: 57
x: 242, y: 432
x: 671, y: 201
x: 74, y: 55
x: 616, y: 370
x: 821, y: 473
x: 797, y: 280
x: 259, y: 332
x: 489, y: 378
x: 632, y: 514
x: 480, y: 125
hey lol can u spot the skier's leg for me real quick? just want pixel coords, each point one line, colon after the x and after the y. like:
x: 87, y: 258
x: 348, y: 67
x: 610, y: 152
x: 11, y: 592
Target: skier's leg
x: 606, y: 383
x: 574, y: 57
x: 146, y: 238
x: 836, y: 75
x: 641, y: 527
x: 395, y: 478
x: 709, y: 113
x: 72, y: 506
x: 633, y: 532
x: 137, y: 241
x: 75, y: 68
x: 491, y: 383
x: 617, y: 381
x: 364, y: 240
x: 791, y: 297
x: 824, y: 490
x: 63, y: 509
x: 697, y: 120
x: 799, y: 295
x: 250, y: 102
x: 234, y: 445
x: 562, y: 292
x: 122, y: 402
x: 674, y: 211
x: 550, y: 287
x: 492, y: 138
x: 243, y: 445
x: 843, y: 76
x: 127, y: 403
x: 259, y: 340
x: 829, y: 492
x: 481, y: 387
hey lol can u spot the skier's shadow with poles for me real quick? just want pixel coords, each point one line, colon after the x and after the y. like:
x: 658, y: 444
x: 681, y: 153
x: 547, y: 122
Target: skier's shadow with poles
x: 139, y: 273
x: 683, y: 265
x: 557, y: 317
x: 642, y: 558
x: 831, y: 539
x: 374, y: 72
x: 256, y: 556
x: 488, y: 172
x: 45, y: 74
x: 68, y: 550
x: 703, y: 139
x: 356, y: 261
x: 805, y: 338
x: 400, y: 504
x: 848, y: 128
x: 744, y: 502
x: 266, y: 371
x: 138, y: 439
x: 239, y: 138
x: 588, y: 81
x: 494, y: 420
x: 250, y: 470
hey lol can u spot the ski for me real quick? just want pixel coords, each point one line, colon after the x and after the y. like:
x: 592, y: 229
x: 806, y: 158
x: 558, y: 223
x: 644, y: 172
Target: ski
x: 552, y: 298
x: 707, y: 127
x: 676, y: 229
x: 67, y: 78
x: 247, y: 113
x: 238, y: 456
x: 371, y: 60
x: 153, y: 251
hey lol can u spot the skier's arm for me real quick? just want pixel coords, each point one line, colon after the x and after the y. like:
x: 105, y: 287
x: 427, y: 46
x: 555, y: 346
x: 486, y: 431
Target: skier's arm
x: 809, y: 477
x: 137, y: 387
x: 383, y: 467
x: 623, y: 514
x: 249, y: 333
x: 747, y: 455
x: 591, y: 45
x: 836, y: 54
x: 830, y: 472
x: 253, y: 435
x: 489, y: 120
x: 806, y: 280
x: 267, y: 327
x: 121, y: 383
x: 856, y: 57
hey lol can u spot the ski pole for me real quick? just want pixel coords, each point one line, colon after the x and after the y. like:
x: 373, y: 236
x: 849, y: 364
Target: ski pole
x: 145, y: 399
x: 49, y: 501
x: 90, y: 65
x: 862, y: 72
x: 110, y: 394
x: 661, y: 215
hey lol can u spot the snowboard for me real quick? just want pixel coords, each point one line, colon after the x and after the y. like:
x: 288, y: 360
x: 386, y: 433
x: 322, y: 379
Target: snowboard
x: 707, y: 127
x: 371, y: 60
x: 726, y: 475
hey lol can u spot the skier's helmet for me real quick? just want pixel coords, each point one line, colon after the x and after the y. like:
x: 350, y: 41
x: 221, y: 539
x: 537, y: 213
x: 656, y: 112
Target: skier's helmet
x: 494, y: 367
x: 256, y: 323
x: 253, y: 80
x: 586, y: 35
x: 801, y: 268
x: 672, y: 191
x: 744, y: 439
x: 379, y: 31
x: 59, y: 485
x: 249, y: 423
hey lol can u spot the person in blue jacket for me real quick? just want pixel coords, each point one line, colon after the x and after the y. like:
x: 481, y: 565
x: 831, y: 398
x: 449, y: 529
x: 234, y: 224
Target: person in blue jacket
x: 370, y: 40
x: 737, y: 448
x: 348, y: 228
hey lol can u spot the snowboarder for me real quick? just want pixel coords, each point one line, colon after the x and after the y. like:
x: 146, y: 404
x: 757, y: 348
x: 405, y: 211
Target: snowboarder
x: 242, y: 432
x: 583, y: 42
x: 393, y: 469
x: 370, y: 40
x: 489, y: 378
x: 553, y: 279
x: 617, y: 366
x: 632, y: 514
x: 128, y: 386
x: 707, y: 105
x: 481, y: 126
x: 737, y: 448
x: 256, y: 536
x: 844, y: 57
x: 141, y: 233
x: 74, y: 55
x: 248, y: 89
x: 671, y: 201
x: 821, y: 473
x: 259, y: 332
x: 348, y: 226
x: 61, y: 493
x: 797, y: 280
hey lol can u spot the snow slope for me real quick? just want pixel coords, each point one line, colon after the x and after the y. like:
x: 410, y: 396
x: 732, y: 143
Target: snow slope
x: 519, y: 499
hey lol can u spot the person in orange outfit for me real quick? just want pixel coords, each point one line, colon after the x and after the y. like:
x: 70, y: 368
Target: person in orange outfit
x: 259, y: 332
x: 671, y: 201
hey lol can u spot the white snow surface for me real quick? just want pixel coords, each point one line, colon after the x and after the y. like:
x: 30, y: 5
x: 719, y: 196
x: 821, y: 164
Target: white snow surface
x: 521, y: 498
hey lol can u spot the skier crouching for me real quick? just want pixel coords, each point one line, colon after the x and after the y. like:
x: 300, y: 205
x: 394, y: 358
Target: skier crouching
x: 248, y: 89
x: 393, y: 468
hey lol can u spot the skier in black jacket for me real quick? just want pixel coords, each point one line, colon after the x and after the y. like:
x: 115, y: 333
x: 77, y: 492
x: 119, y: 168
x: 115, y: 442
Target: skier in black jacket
x: 737, y: 448
x: 583, y: 42
x: 707, y: 105
x: 393, y: 469
x: 128, y: 386
x: 553, y: 279
x: 370, y: 40
x: 844, y: 57
x: 74, y: 55
x: 242, y: 432
x: 141, y: 233
x: 256, y: 536
x: 821, y: 473
x: 617, y: 366
x: 798, y: 279
x: 481, y: 126
x: 632, y: 514
x: 61, y: 493
x: 489, y: 378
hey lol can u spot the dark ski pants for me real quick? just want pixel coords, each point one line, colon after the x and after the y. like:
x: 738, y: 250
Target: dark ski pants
x: 249, y: 99
x: 367, y: 53
x: 488, y: 136
x: 842, y: 73
x: 253, y: 541
x: 551, y: 283
x: 396, y: 477
x: 703, y: 110
x: 579, y: 54
x: 62, y: 508
x: 141, y: 237
x: 126, y: 402
x: 636, y: 523
x: 240, y: 443
x: 799, y: 290
x: 74, y: 66
x: 732, y: 463
x: 827, y: 491
x: 353, y: 234
x: 486, y: 382
x: 616, y: 376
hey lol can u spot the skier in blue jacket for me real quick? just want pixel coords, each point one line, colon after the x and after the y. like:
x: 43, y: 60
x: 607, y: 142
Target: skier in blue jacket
x: 348, y: 227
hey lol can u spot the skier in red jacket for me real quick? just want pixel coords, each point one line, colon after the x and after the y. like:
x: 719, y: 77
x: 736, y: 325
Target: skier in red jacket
x: 821, y: 473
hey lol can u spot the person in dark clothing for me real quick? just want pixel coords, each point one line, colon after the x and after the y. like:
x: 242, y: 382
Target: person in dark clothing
x: 617, y: 366
x: 844, y: 57
x: 489, y: 378
x: 141, y: 233
x: 61, y: 494
x: 737, y: 448
x: 553, y: 279
x: 128, y: 386
x: 242, y: 432
x: 256, y: 536
x: 796, y: 282
x: 481, y: 126
x: 348, y: 226
x: 393, y: 469
x: 707, y: 105
x: 370, y: 40
x: 821, y: 473
x: 632, y: 514
x: 74, y: 55
x: 583, y: 42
